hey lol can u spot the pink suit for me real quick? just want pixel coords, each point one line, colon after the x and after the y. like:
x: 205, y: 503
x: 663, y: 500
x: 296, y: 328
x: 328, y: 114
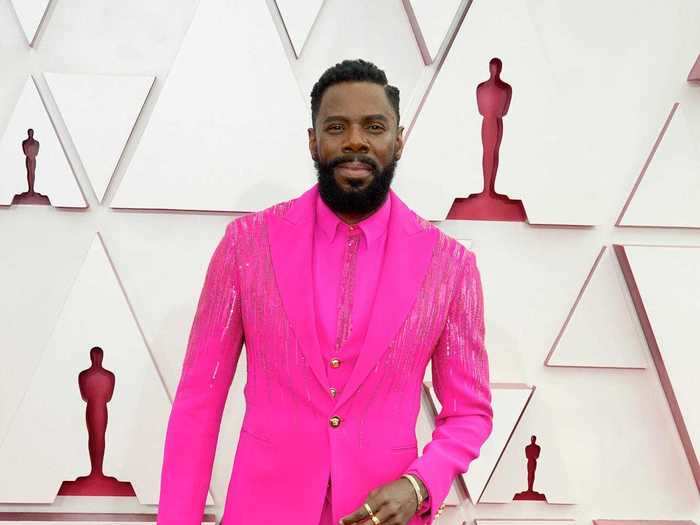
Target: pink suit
x: 346, y: 262
x: 295, y: 436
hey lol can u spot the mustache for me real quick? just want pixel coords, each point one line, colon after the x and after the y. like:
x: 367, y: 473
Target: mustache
x: 353, y: 158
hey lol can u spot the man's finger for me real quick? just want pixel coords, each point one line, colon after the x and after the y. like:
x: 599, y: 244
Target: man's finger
x: 359, y: 515
x: 355, y: 517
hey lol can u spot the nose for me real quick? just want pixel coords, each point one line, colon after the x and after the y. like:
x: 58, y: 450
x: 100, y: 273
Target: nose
x: 355, y: 141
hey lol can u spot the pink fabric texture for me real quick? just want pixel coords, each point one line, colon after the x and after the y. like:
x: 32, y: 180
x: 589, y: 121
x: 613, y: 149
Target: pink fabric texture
x: 327, y: 511
x: 258, y: 290
x: 346, y: 261
x: 346, y: 264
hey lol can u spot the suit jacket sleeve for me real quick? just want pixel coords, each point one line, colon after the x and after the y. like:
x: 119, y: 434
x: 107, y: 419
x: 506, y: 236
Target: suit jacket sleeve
x: 213, y: 349
x: 461, y: 381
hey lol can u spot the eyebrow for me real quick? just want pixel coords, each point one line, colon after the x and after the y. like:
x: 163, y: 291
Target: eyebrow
x: 378, y: 116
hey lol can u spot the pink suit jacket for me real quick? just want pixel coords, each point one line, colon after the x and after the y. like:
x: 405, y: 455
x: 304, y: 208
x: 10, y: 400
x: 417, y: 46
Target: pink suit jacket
x: 258, y: 291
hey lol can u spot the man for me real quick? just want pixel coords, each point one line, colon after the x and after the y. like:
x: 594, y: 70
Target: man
x: 342, y: 297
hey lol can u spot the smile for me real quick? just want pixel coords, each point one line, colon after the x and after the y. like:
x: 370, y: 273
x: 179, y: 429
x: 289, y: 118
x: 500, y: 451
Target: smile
x: 354, y: 169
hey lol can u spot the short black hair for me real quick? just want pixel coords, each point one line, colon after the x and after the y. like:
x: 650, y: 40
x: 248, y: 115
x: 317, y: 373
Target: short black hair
x: 357, y: 70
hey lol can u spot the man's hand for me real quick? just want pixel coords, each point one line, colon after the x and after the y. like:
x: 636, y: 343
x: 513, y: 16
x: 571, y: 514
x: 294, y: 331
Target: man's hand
x: 394, y: 504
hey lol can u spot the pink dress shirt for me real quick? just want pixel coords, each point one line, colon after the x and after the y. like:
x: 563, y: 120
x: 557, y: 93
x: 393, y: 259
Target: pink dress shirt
x: 347, y: 260
x: 346, y: 264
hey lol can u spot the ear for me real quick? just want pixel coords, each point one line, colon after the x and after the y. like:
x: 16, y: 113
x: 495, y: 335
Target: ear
x: 398, y: 145
x: 312, y: 143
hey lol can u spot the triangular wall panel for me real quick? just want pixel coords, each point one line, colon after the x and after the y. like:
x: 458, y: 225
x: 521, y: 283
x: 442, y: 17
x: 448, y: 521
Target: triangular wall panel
x: 602, y: 307
x: 668, y: 192
x: 577, y: 170
x: 30, y: 14
x: 552, y: 476
x: 46, y: 442
x: 298, y: 17
x: 203, y: 147
x: 100, y: 111
x: 665, y: 284
x: 54, y: 177
x: 452, y: 107
x: 431, y: 22
x: 509, y: 402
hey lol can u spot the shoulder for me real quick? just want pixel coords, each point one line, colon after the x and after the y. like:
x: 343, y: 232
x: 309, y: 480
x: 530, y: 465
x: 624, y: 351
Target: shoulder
x: 251, y: 225
x: 448, y: 250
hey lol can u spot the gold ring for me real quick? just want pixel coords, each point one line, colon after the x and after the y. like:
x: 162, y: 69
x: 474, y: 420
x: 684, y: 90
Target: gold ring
x: 375, y: 520
x: 369, y: 509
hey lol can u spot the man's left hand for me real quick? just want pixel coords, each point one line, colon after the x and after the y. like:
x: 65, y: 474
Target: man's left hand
x: 393, y: 504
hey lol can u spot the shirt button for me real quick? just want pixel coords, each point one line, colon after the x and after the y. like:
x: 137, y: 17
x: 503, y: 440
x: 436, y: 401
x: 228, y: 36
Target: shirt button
x: 335, y: 363
x: 333, y: 392
x: 335, y: 421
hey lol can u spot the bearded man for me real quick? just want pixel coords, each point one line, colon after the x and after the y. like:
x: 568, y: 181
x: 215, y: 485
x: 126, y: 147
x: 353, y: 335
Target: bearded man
x: 342, y: 296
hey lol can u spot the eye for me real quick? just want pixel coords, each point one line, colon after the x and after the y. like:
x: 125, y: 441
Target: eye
x: 334, y: 127
x: 376, y: 127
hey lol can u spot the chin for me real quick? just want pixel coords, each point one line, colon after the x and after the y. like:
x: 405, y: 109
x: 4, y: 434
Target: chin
x: 352, y: 184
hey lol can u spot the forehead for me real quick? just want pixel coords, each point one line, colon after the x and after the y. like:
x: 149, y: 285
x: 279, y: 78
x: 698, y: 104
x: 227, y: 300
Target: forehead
x: 355, y: 100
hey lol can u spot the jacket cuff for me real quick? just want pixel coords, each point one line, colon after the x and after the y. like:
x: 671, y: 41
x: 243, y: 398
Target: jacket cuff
x: 437, y: 485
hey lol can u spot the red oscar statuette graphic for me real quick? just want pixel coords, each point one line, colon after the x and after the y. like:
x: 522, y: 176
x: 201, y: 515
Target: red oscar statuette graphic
x: 96, y: 388
x: 532, y: 452
x: 493, y: 99
x: 30, y: 147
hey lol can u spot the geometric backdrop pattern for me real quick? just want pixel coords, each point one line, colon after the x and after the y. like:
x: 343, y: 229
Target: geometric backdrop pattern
x: 205, y: 108
x: 100, y: 112
x: 45, y: 441
x: 298, y: 18
x: 668, y: 193
x: 53, y: 172
x: 31, y: 14
x: 600, y: 350
x: 669, y: 318
x: 603, y: 306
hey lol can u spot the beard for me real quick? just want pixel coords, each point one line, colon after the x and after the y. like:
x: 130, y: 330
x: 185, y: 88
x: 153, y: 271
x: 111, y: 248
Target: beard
x: 357, y: 200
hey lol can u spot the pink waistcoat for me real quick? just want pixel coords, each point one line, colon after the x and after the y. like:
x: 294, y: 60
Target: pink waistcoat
x: 346, y: 263
x: 295, y: 436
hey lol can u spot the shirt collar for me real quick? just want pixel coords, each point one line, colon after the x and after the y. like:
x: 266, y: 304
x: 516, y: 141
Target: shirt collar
x: 372, y: 227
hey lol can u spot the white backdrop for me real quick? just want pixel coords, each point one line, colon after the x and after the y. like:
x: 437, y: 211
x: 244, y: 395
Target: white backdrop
x: 603, y: 129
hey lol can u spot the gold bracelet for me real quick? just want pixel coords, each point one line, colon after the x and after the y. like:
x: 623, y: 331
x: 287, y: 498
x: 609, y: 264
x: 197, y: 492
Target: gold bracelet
x: 419, y: 496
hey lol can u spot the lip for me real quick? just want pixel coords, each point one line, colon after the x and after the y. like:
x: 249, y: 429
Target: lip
x: 355, y: 168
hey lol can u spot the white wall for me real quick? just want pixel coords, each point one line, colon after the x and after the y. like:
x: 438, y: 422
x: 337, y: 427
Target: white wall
x: 593, y: 85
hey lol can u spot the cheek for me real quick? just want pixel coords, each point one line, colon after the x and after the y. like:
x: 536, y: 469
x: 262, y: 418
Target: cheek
x: 385, y: 151
x: 328, y: 149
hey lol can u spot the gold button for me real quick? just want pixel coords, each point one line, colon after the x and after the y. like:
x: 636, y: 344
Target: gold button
x: 335, y: 421
x: 335, y: 363
x: 333, y: 391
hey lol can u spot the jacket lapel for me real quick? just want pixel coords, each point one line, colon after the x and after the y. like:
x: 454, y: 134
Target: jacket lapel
x: 407, y: 255
x: 291, y: 244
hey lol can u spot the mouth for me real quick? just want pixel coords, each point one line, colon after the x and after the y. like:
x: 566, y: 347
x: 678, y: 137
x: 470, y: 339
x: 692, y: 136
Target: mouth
x: 354, y: 169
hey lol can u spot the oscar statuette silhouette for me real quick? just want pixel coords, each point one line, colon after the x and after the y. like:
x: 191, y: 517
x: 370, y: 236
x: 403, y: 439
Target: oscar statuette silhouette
x: 96, y: 388
x: 30, y: 148
x: 493, y: 100
x: 532, y: 452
